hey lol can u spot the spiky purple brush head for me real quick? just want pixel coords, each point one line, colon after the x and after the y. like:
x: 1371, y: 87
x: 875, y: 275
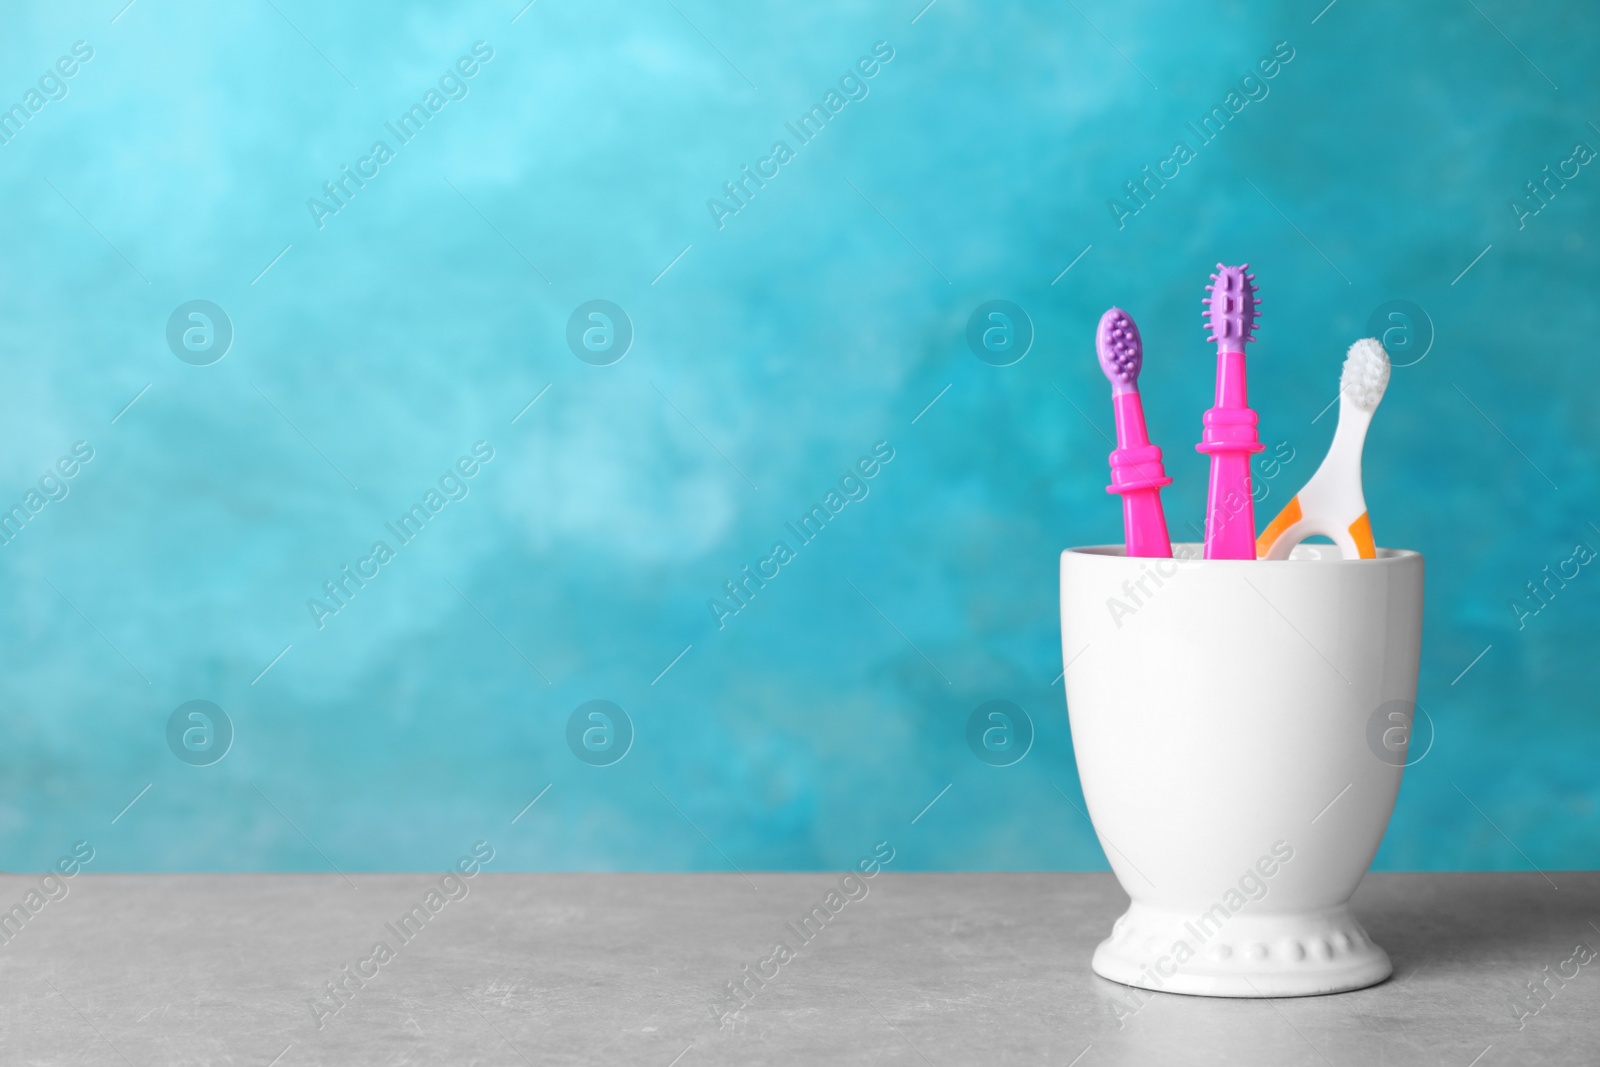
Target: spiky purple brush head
x: 1120, y: 349
x: 1231, y: 307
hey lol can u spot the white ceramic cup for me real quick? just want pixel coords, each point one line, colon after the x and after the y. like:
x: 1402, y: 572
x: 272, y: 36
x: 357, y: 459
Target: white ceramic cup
x: 1240, y: 732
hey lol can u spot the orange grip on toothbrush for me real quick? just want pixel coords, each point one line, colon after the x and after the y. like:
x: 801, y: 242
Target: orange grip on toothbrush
x: 1332, y: 503
x: 1361, y: 534
x: 1278, y: 527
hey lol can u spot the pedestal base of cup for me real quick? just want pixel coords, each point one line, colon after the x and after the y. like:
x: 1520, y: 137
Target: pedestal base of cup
x: 1243, y: 955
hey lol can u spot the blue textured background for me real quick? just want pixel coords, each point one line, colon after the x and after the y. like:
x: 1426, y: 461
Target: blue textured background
x: 823, y: 317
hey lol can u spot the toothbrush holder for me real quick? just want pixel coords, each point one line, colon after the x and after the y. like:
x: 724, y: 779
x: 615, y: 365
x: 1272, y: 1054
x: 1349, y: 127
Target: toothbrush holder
x: 1223, y: 718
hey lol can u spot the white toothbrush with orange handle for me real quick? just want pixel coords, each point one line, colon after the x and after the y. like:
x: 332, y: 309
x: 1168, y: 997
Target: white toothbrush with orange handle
x: 1332, y: 503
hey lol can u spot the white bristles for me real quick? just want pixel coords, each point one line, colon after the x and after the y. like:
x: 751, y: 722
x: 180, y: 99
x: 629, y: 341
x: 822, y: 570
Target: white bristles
x: 1366, y: 374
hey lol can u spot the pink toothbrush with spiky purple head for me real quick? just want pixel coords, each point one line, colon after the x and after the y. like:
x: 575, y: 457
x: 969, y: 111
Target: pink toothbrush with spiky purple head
x: 1230, y: 427
x: 1136, y: 471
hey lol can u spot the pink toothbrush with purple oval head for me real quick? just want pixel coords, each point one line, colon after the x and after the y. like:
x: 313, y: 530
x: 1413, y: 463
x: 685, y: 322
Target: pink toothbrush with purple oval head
x: 1230, y: 426
x: 1136, y: 471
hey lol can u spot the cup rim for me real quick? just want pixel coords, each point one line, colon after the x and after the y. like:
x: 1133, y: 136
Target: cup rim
x: 1324, y: 555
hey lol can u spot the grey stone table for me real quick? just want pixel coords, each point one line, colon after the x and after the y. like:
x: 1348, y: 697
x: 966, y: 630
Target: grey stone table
x: 929, y: 969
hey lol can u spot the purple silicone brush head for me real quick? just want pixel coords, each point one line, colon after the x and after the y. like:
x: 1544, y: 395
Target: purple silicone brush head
x: 1231, y: 307
x: 1120, y: 349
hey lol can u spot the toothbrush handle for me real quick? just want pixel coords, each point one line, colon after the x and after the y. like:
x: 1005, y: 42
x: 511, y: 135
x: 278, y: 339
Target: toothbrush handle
x: 1230, y: 513
x: 1144, y: 524
x: 1137, y: 474
x: 1230, y: 440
